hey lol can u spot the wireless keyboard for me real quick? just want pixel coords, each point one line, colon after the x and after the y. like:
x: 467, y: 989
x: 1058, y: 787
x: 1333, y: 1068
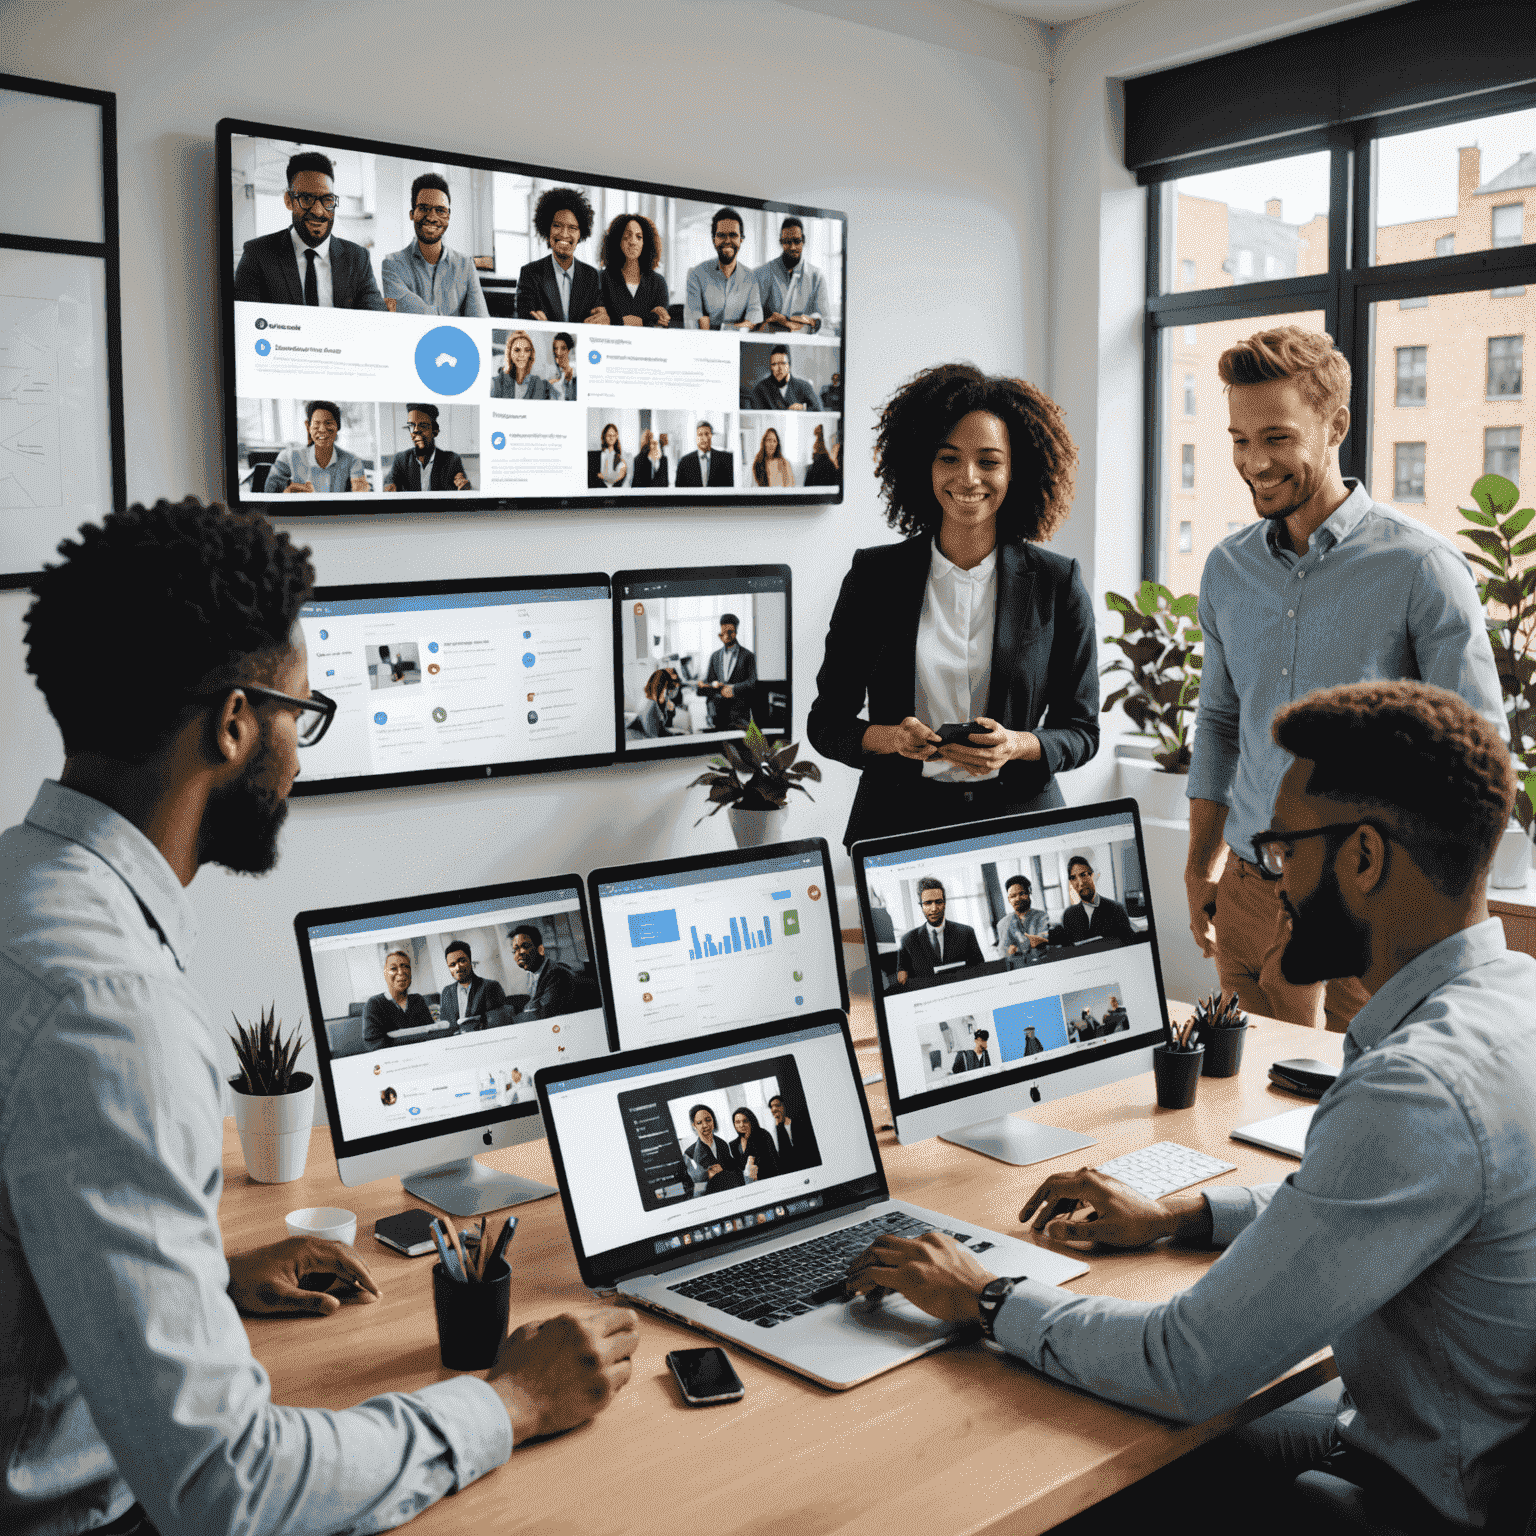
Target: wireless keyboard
x: 1164, y: 1167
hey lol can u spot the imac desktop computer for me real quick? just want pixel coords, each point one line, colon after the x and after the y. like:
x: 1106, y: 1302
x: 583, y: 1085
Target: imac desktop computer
x: 434, y: 1013
x: 1013, y: 961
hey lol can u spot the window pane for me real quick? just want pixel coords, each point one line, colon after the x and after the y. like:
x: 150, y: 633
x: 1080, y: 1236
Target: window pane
x: 1474, y: 345
x: 70, y: 207
x: 1215, y: 502
x: 1444, y: 190
x: 1501, y: 452
x: 1189, y: 392
x: 1408, y: 472
x: 1411, y: 370
x: 1255, y: 223
x: 1421, y: 302
x: 1186, y: 538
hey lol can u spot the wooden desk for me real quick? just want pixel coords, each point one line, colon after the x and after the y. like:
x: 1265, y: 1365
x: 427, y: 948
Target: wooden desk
x: 963, y: 1440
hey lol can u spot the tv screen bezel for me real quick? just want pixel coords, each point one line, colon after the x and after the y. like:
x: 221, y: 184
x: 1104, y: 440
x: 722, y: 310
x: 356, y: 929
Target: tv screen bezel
x: 224, y: 133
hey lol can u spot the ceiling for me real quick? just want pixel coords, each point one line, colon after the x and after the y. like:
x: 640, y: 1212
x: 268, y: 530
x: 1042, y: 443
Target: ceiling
x: 1052, y: 12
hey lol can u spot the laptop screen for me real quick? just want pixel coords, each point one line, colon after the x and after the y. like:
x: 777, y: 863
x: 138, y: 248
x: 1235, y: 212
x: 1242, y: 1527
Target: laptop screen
x: 690, y: 946
x: 663, y: 1155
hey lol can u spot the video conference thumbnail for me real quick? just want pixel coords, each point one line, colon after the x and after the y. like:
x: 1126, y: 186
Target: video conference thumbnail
x: 711, y: 1132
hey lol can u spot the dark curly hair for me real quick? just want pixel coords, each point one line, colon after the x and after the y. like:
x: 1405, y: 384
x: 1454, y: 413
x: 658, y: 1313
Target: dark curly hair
x: 915, y: 421
x: 569, y: 199
x: 650, y: 243
x: 203, y: 596
x: 1420, y: 753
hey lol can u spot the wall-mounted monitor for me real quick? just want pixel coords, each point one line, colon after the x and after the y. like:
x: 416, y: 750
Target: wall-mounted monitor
x: 406, y: 328
x: 459, y: 679
x: 698, y: 652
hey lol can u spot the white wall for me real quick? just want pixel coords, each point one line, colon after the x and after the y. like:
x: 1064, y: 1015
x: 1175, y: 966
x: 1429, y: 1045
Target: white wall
x: 937, y: 155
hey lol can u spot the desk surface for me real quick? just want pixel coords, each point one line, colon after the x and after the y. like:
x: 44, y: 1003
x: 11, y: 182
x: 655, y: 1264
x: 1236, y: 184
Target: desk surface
x: 962, y: 1440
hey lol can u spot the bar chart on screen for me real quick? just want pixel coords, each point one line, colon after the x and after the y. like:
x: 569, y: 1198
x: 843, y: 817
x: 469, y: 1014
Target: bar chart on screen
x: 740, y: 936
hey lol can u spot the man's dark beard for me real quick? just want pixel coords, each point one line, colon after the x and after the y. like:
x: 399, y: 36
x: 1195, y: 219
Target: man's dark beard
x: 1326, y: 940
x: 242, y: 821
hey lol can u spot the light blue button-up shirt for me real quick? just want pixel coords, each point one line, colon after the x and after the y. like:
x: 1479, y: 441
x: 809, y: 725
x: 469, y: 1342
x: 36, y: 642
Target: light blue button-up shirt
x: 1376, y: 596
x: 1406, y: 1241
x: 448, y: 286
x: 797, y: 290
x: 123, y: 1362
x: 726, y: 300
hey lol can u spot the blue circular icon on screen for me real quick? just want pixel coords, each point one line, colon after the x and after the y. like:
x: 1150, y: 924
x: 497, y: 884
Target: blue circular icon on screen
x: 325, y: 634
x: 594, y: 356
x: 330, y: 671
x: 447, y: 361
x: 498, y: 440
x: 799, y: 1001
x: 528, y: 658
x: 380, y: 718
x: 415, y: 1109
x: 527, y: 634
x: 263, y: 347
x: 432, y: 646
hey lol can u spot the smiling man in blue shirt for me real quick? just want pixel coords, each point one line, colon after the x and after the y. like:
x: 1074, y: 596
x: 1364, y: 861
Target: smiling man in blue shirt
x: 1406, y: 1240
x: 428, y: 277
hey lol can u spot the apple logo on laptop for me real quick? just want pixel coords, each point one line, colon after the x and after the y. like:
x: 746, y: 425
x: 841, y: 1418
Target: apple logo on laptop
x: 487, y: 1139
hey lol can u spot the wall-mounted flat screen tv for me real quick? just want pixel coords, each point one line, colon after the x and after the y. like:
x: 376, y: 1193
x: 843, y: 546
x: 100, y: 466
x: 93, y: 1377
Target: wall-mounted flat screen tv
x: 409, y: 329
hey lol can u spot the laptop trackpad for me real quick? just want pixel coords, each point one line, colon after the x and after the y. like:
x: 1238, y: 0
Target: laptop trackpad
x: 895, y: 1318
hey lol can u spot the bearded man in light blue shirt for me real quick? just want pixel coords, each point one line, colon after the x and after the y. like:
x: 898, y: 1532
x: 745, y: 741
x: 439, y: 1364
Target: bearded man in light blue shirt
x: 1406, y: 1240
x: 128, y: 1375
x: 428, y: 277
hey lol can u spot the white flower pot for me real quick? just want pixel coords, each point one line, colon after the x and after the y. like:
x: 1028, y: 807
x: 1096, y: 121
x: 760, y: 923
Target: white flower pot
x: 274, y: 1130
x: 752, y: 829
x: 1511, y: 859
x: 1160, y: 795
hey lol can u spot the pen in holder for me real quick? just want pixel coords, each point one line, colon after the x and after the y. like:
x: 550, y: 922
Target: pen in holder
x: 1221, y: 1026
x: 472, y: 1316
x: 1176, y: 1069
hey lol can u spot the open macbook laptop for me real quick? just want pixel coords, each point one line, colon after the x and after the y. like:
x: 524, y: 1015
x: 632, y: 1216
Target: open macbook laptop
x: 664, y: 1209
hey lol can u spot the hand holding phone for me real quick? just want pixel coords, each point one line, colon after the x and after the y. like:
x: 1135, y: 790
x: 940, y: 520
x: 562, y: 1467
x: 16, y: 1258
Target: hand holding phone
x: 960, y: 735
x: 705, y: 1376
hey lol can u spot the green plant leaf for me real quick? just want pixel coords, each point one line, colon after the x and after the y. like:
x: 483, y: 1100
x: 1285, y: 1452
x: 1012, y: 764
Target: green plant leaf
x: 1516, y: 521
x: 1117, y: 604
x: 1494, y: 494
x: 1524, y: 547
x: 1487, y: 519
x: 1187, y: 606
x: 1146, y: 597
x: 1485, y: 540
x: 1487, y: 565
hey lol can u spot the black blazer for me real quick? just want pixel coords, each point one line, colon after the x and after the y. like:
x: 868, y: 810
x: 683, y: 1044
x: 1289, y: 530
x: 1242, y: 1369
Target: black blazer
x: 381, y: 1017
x: 537, y: 289
x: 722, y: 470
x: 759, y: 1145
x: 269, y: 274
x: 617, y: 301
x: 595, y: 481
x: 725, y: 1155
x: 802, y: 1152
x: 915, y: 955
x: 554, y: 993
x: 644, y: 472
x: 484, y: 994
x: 1045, y: 675
x: 405, y: 471
x: 1109, y: 922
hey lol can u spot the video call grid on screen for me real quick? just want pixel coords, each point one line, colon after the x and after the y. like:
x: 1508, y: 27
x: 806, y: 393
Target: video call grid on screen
x: 454, y: 680
x: 599, y: 1124
x: 1042, y: 1007
x: 520, y: 406
x: 392, y: 1075
x: 690, y: 950
x: 669, y: 663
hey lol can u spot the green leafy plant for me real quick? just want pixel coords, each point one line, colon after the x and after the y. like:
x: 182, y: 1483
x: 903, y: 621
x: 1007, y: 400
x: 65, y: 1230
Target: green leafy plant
x: 1508, y: 592
x: 266, y: 1059
x: 755, y: 776
x: 1160, y: 643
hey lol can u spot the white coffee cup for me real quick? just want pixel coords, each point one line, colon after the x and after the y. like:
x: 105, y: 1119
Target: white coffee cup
x: 329, y: 1221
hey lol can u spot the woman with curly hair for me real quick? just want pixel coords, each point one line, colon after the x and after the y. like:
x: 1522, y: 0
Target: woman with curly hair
x: 770, y: 467
x: 969, y: 621
x: 634, y: 292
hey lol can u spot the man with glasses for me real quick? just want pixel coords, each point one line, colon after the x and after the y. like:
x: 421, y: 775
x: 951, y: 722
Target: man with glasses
x: 306, y: 263
x: 722, y: 295
x: 424, y: 466
x: 792, y: 291
x: 427, y: 278
x: 780, y: 389
x: 1327, y: 587
x: 1406, y: 1240
x: 129, y: 1374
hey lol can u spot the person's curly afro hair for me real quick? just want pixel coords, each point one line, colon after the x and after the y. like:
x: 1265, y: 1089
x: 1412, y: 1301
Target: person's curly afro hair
x: 152, y: 605
x: 556, y: 200
x: 917, y: 419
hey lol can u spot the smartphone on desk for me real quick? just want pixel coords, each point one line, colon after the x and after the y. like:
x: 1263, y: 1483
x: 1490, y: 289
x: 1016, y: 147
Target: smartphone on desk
x: 705, y: 1376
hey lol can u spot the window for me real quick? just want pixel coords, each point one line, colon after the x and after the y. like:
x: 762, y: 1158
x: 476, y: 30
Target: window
x: 1421, y: 302
x: 1189, y: 335
x: 1412, y: 368
x: 1505, y: 357
x: 1408, y: 476
x: 1508, y: 225
x: 1272, y: 266
x: 1187, y: 272
x: 1445, y: 245
x: 1187, y: 472
x: 1245, y: 264
x: 1501, y: 452
x: 1189, y: 394
x: 1186, y: 538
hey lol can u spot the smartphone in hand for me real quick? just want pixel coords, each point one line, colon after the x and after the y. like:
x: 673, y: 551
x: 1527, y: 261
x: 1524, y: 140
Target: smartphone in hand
x: 959, y: 735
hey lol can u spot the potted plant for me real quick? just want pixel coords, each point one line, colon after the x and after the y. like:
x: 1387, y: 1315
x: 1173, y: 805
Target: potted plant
x: 1508, y: 592
x: 274, y: 1105
x: 753, y: 779
x: 1160, y: 646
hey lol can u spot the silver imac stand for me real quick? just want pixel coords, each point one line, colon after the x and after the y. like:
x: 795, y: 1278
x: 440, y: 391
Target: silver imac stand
x: 1013, y: 1140
x: 469, y: 1188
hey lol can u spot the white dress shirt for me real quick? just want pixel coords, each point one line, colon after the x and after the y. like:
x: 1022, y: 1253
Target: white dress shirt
x: 322, y: 267
x: 954, y: 652
x: 463, y: 1000
x: 563, y: 276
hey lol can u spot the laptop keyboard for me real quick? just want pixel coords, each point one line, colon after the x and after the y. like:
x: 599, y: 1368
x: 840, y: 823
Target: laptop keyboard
x: 789, y: 1282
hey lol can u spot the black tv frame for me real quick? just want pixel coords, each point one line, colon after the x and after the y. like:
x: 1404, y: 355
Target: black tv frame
x: 228, y: 127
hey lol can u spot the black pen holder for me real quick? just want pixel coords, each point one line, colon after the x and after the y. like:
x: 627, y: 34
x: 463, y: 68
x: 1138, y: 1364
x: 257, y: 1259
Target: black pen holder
x: 471, y: 1317
x: 1177, y: 1074
x: 1223, y: 1050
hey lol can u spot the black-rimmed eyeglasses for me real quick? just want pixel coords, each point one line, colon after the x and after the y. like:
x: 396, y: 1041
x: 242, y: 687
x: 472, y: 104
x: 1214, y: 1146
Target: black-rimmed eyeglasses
x: 1273, y: 847
x: 307, y: 200
x: 315, y: 713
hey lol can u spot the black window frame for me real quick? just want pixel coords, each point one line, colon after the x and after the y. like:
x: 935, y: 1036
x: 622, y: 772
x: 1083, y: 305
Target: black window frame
x: 1345, y: 293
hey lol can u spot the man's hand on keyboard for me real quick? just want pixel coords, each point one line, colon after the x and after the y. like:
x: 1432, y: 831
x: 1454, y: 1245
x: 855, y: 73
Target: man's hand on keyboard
x: 933, y: 1272
x: 1117, y: 1216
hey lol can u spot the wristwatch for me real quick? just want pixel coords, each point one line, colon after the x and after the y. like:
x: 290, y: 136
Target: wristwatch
x: 993, y: 1294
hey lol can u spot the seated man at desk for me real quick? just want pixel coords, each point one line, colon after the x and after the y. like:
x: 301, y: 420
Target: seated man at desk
x: 935, y: 943
x: 1025, y: 930
x: 397, y: 1016
x: 466, y: 1003
x: 1406, y: 1240
x: 133, y: 1402
x: 1093, y: 916
x: 781, y: 390
x: 552, y: 988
